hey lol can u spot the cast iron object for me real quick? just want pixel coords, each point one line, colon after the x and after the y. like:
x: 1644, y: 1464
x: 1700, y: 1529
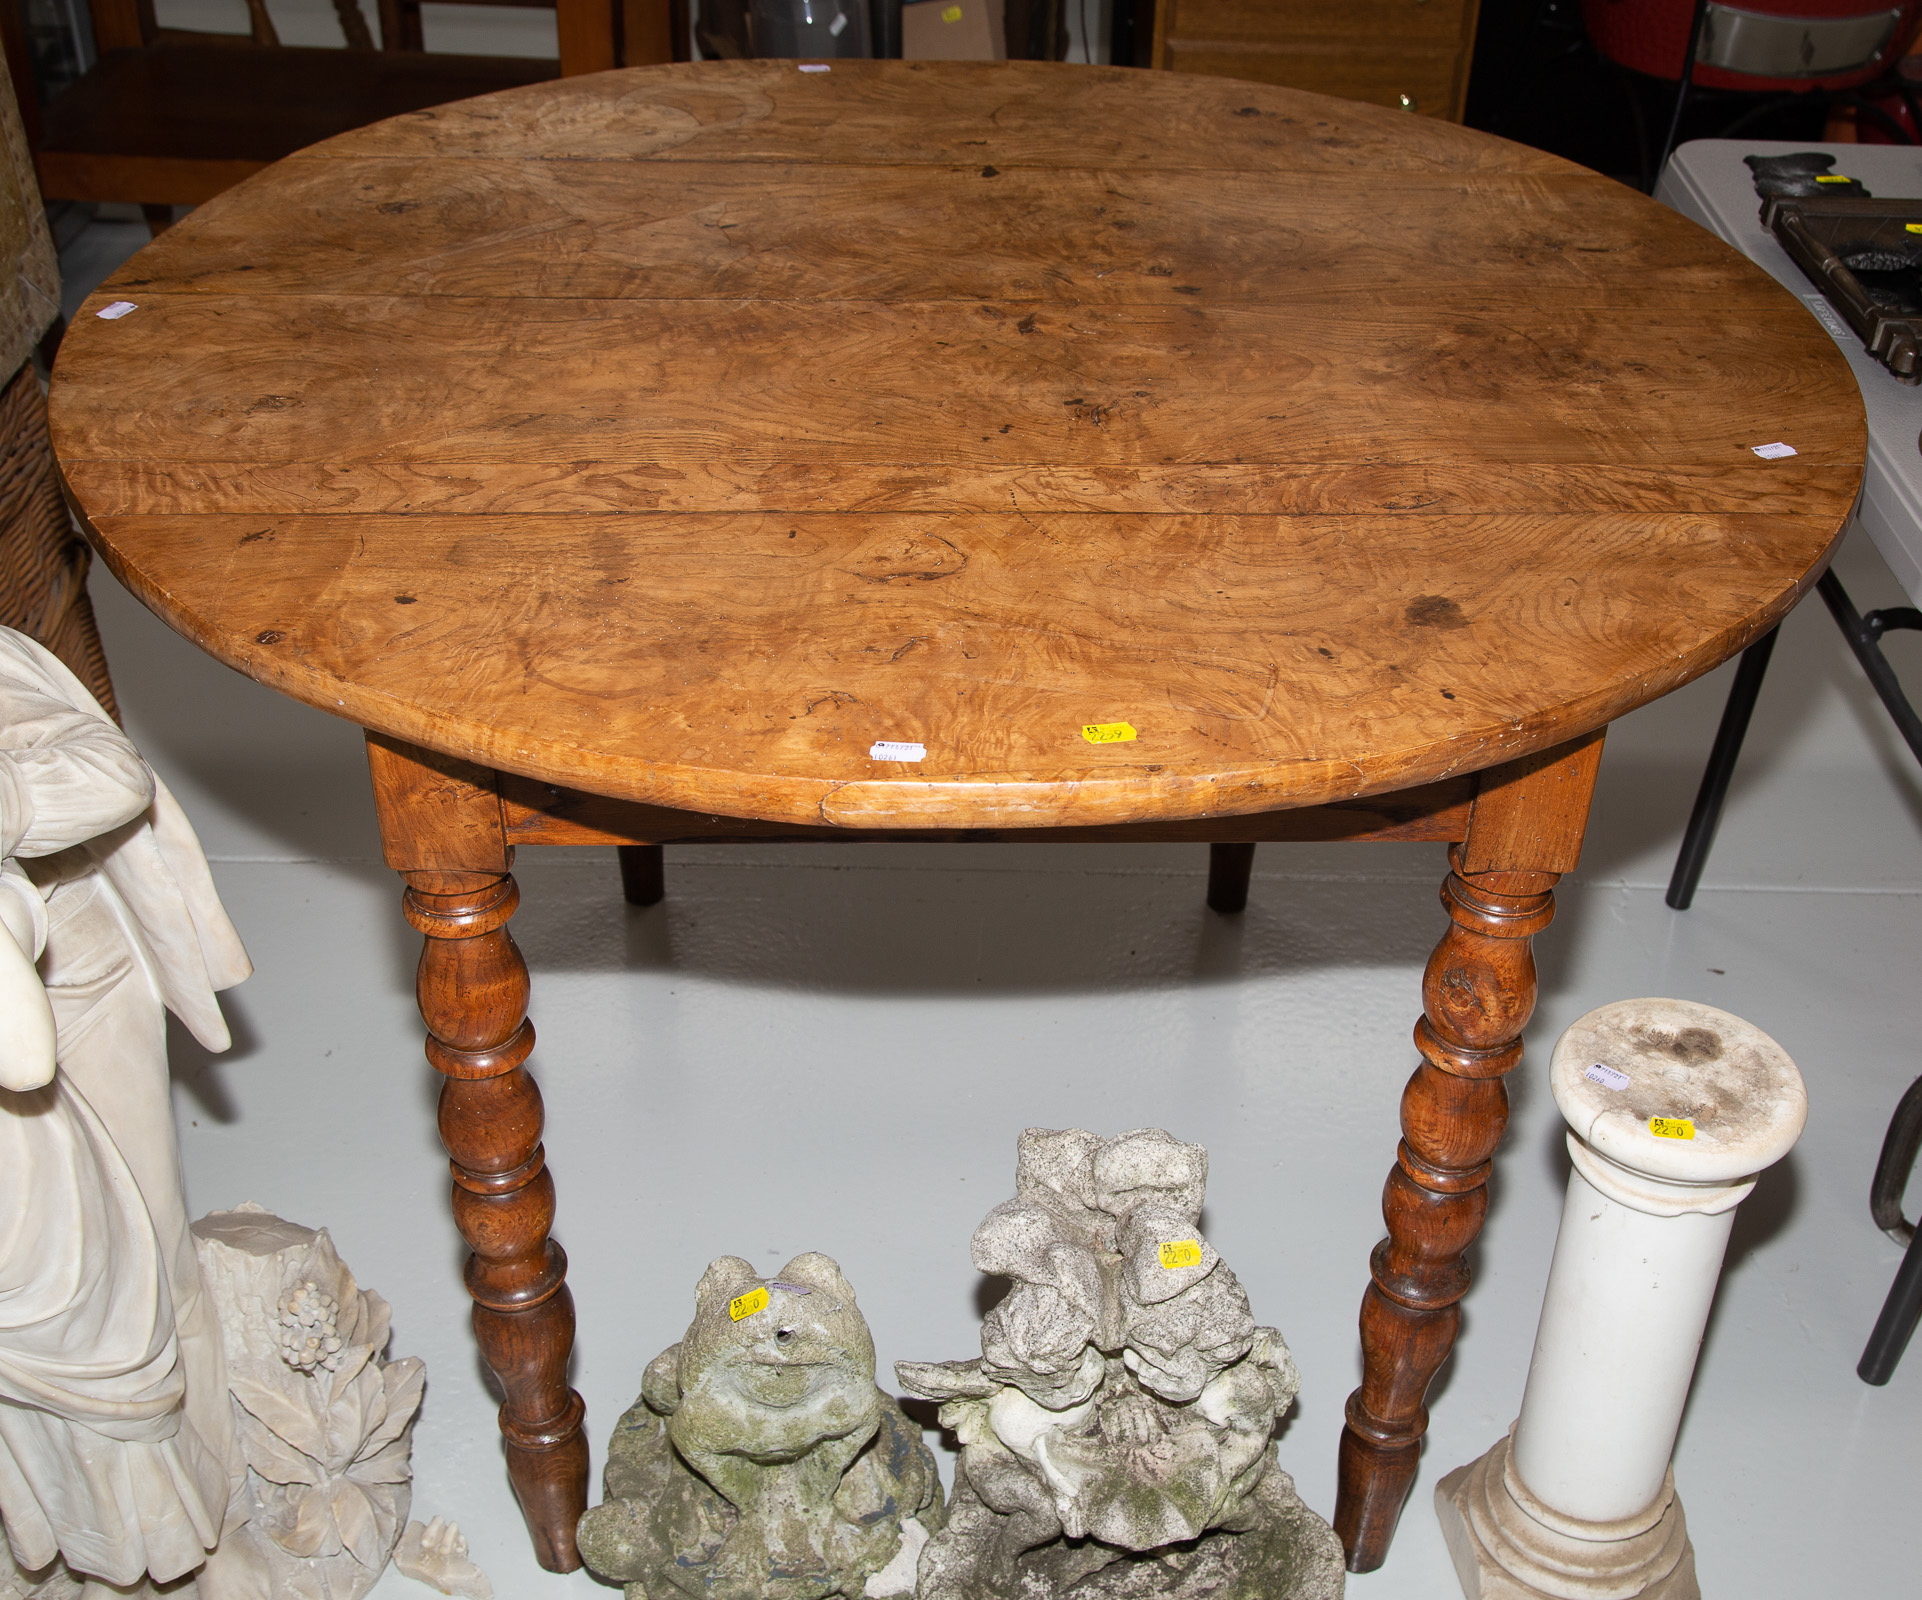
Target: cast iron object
x: 1820, y: 232
x: 1803, y: 176
x: 1903, y: 1308
x: 1899, y: 1149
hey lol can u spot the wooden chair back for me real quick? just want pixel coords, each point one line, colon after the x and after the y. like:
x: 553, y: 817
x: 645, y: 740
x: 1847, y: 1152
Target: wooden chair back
x: 1409, y: 53
x: 594, y: 34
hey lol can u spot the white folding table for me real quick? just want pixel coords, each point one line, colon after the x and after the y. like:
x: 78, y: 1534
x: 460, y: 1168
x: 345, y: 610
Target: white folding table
x: 1709, y: 182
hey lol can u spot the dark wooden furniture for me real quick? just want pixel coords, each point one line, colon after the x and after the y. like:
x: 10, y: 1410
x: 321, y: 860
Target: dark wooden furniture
x: 1413, y: 54
x: 173, y: 119
x: 646, y: 30
x: 629, y: 454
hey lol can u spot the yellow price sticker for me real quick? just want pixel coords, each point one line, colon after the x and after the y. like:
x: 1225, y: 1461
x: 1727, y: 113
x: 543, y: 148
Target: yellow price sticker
x: 1179, y: 1253
x: 1912, y: 227
x: 1107, y: 732
x: 952, y: 14
x: 745, y: 1305
x: 1833, y: 177
x: 1671, y: 1127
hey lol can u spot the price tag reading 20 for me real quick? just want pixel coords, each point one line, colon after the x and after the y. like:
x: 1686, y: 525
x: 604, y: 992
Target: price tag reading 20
x: 745, y: 1305
x: 1671, y: 1127
x: 1181, y: 1253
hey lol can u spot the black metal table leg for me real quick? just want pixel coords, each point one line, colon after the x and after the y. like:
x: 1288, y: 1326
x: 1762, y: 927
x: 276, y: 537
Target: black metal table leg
x: 1721, y: 768
x: 1900, y: 1313
x: 1864, y: 634
x: 1900, y: 1146
x: 1903, y: 1308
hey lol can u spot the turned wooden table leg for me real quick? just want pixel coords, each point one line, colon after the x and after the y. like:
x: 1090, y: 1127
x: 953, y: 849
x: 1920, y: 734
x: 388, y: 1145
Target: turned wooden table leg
x: 1478, y: 992
x: 472, y: 986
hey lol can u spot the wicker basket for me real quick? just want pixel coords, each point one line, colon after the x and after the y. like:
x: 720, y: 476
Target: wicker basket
x: 43, y: 561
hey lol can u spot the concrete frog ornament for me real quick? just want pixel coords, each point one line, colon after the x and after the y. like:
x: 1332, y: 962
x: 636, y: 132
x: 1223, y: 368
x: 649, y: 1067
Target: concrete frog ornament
x: 1116, y: 1431
x: 761, y: 1461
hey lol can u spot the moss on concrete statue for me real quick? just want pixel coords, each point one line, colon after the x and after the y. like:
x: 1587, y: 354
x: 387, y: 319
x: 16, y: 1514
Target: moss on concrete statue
x: 1117, y: 1429
x: 761, y: 1462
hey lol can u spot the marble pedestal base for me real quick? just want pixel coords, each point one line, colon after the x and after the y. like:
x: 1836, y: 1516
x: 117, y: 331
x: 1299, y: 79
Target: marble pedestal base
x: 1507, y: 1545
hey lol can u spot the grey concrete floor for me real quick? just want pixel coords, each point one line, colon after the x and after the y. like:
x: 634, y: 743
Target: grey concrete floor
x: 833, y: 1047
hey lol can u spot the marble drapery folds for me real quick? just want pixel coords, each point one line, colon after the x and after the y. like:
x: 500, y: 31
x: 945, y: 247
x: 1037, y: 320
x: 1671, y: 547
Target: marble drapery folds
x: 116, y: 1444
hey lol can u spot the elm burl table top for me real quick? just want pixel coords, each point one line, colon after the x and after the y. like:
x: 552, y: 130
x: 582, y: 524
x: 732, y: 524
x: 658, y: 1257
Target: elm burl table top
x: 675, y: 434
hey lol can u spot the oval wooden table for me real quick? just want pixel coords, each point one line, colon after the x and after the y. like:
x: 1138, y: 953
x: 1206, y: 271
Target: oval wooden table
x: 635, y: 456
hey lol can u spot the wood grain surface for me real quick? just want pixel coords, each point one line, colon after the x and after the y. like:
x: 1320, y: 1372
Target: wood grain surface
x: 674, y: 434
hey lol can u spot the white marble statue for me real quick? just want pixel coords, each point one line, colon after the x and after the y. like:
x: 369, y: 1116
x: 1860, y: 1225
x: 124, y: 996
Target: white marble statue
x: 435, y: 1554
x: 117, y: 1459
x: 325, y: 1422
x: 1673, y: 1109
x: 1116, y: 1432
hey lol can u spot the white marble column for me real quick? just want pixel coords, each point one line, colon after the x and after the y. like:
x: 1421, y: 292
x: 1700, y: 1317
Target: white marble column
x: 1673, y: 1108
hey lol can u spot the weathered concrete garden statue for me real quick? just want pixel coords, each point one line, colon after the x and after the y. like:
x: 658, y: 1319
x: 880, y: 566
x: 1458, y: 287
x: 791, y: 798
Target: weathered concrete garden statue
x: 1116, y: 1431
x: 761, y: 1462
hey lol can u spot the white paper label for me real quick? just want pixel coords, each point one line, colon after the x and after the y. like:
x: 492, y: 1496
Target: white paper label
x: 814, y: 66
x: 1825, y: 314
x: 896, y: 750
x: 117, y: 310
x: 1607, y: 1077
x: 1774, y: 452
x: 839, y: 23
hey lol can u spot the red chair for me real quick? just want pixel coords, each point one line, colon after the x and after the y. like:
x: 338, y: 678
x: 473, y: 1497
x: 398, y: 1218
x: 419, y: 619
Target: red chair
x: 1779, y: 48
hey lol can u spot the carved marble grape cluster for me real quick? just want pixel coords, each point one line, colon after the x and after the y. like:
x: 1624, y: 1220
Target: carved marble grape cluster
x: 310, y: 1329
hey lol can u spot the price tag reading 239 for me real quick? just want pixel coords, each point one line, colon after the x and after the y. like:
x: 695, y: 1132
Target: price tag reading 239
x: 745, y: 1305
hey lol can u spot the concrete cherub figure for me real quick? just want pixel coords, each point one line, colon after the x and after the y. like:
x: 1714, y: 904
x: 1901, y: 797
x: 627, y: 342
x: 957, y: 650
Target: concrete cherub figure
x: 117, y: 1461
x: 761, y: 1461
x: 1116, y: 1430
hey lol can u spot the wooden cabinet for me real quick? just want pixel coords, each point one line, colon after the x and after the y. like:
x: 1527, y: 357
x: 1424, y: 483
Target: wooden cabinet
x: 1412, y: 53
